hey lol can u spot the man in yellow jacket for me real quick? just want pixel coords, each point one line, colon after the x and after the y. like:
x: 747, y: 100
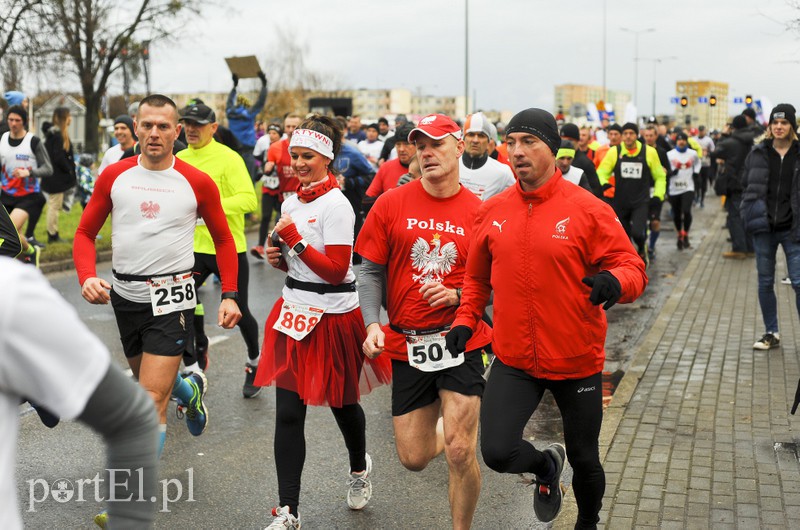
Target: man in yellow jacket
x: 636, y: 169
x: 227, y: 169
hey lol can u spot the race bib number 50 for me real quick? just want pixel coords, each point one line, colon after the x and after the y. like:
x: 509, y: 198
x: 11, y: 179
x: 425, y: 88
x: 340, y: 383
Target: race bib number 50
x: 429, y: 354
x: 298, y: 320
x: 172, y: 293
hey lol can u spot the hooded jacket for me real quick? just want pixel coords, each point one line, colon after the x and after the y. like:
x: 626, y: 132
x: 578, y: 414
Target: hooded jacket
x: 64, y: 176
x: 733, y: 150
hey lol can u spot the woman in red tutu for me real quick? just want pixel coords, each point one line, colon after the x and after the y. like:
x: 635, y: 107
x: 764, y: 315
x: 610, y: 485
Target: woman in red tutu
x: 312, y: 344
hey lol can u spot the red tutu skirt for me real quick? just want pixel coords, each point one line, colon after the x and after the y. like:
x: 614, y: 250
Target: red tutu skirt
x: 327, y: 367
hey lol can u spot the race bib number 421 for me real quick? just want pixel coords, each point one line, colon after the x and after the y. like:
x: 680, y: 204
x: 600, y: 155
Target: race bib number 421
x: 630, y: 170
x: 297, y: 320
x: 429, y: 354
x: 172, y: 293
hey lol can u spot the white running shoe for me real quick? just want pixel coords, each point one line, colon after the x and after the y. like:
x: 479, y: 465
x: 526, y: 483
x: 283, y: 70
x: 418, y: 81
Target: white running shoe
x: 283, y: 519
x: 359, y: 488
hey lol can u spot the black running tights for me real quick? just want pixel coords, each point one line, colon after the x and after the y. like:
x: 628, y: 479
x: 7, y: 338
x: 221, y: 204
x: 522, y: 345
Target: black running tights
x: 290, y: 441
x: 682, y: 210
x: 511, y: 397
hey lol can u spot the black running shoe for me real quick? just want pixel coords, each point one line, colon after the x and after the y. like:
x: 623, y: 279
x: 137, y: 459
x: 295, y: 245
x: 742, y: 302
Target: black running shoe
x: 547, y: 498
x: 249, y: 390
x: 48, y: 418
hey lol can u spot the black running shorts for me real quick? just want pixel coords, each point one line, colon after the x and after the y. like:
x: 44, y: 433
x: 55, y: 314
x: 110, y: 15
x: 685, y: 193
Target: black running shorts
x: 29, y: 203
x: 140, y: 331
x: 413, y: 389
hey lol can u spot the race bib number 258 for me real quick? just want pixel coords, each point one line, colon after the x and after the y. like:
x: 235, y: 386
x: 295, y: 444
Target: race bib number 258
x: 172, y: 293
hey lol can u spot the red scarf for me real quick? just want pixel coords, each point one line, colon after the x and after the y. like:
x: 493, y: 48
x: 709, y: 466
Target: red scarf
x: 317, y: 189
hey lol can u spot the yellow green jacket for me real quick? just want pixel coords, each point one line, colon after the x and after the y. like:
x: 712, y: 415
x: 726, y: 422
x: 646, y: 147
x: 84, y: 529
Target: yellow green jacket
x: 606, y: 168
x: 226, y: 168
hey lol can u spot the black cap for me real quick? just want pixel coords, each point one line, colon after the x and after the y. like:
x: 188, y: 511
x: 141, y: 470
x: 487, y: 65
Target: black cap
x: 402, y: 132
x: 125, y: 120
x: 739, y: 122
x: 615, y: 127
x: 200, y: 114
x: 539, y: 123
x: 373, y: 126
x: 682, y: 136
x: 631, y: 127
x: 571, y: 131
x: 785, y: 111
x: 749, y: 112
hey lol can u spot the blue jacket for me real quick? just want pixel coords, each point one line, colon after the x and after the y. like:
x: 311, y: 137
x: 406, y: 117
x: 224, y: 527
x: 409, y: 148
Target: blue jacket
x: 241, y: 120
x: 756, y: 181
x: 355, y: 169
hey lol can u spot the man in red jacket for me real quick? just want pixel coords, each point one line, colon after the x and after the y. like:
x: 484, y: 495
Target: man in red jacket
x: 563, y: 254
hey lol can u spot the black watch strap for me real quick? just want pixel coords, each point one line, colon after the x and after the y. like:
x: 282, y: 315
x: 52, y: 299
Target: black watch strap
x: 233, y: 295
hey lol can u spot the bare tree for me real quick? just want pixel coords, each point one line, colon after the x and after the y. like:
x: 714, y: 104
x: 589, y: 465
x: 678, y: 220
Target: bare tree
x: 95, y: 37
x: 17, y: 20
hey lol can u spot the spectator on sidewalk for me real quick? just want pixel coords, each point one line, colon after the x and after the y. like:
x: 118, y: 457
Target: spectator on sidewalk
x: 769, y: 203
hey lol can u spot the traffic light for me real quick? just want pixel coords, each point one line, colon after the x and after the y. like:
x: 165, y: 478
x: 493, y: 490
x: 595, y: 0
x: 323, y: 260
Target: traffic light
x: 748, y: 100
x: 684, y: 101
x: 712, y: 101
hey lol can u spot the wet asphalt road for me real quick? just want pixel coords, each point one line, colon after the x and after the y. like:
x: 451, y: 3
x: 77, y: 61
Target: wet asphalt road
x: 227, y: 475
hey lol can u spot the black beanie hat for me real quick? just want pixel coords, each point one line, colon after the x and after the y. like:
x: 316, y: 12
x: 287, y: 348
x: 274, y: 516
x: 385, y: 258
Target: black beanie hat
x: 125, y: 120
x: 615, y: 127
x: 631, y: 127
x: 785, y: 111
x: 739, y: 122
x: 682, y: 136
x: 571, y: 131
x: 539, y: 123
x: 20, y: 111
x: 749, y: 112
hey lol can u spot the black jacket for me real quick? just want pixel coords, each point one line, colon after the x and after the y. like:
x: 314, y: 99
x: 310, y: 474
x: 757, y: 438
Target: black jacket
x: 582, y: 161
x: 733, y: 150
x: 64, y: 176
x: 765, y: 198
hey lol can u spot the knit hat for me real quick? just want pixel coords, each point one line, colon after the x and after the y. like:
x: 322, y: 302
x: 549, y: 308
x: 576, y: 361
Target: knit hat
x: 478, y: 123
x: 784, y: 111
x: 125, y: 120
x: 539, y: 123
x: 682, y: 136
x: 749, y: 112
x: 567, y: 150
x: 571, y: 131
x: 14, y: 97
x: 631, y: 127
x: 615, y: 127
x: 739, y: 122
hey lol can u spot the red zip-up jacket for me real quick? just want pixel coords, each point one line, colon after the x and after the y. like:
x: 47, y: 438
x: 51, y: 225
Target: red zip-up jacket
x: 533, y: 249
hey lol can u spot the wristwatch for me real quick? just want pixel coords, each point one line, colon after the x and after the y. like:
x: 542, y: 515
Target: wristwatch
x: 298, y: 248
x: 233, y: 295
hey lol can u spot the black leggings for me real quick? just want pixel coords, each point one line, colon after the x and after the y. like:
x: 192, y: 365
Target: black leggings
x: 511, y: 397
x: 290, y: 441
x: 269, y: 203
x: 682, y: 210
x: 634, y: 220
x: 204, y: 266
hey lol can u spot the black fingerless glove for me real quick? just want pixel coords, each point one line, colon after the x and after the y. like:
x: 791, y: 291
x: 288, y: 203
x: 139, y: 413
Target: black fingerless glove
x: 605, y: 288
x: 235, y: 80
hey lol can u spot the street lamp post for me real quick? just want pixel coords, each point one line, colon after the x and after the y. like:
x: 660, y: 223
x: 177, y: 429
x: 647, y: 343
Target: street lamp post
x: 656, y: 61
x: 466, y: 58
x: 636, y: 33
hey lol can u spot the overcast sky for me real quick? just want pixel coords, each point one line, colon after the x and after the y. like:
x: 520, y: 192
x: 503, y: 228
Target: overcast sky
x: 518, y: 49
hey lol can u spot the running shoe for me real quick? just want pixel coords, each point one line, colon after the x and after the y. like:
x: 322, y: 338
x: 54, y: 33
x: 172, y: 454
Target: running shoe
x: 249, y: 389
x: 35, y: 242
x: 547, y: 498
x: 359, y: 487
x: 786, y: 281
x: 768, y: 341
x: 258, y: 252
x: 33, y: 258
x: 101, y: 519
x: 283, y: 519
x: 196, y: 413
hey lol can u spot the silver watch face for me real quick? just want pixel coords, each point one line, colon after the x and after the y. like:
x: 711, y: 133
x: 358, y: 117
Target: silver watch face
x: 298, y: 248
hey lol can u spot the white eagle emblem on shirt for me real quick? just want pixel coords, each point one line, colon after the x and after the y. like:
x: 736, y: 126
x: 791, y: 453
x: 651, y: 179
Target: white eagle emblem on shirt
x: 433, y: 262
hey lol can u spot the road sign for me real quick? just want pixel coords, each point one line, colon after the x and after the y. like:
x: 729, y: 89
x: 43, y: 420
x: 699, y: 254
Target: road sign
x: 738, y: 100
x: 674, y: 100
x: 702, y: 99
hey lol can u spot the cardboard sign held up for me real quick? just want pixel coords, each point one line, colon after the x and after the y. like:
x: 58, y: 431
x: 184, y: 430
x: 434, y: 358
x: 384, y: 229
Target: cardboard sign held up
x: 244, y: 67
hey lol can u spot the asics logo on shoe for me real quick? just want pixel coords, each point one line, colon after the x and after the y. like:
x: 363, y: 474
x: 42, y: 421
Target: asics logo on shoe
x: 499, y: 225
x: 585, y: 389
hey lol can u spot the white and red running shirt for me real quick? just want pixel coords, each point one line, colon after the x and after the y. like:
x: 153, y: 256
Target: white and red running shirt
x: 153, y: 217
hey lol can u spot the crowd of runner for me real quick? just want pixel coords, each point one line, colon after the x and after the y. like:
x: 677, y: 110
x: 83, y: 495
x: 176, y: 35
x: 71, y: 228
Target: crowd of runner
x: 532, y: 217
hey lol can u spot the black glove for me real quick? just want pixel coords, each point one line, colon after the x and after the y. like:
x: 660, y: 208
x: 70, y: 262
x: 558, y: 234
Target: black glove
x: 263, y: 77
x: 235, y: 80
x: 605, y: 288
x: 796, y: 398
x: 606, y: 186
x: 456, y: 339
